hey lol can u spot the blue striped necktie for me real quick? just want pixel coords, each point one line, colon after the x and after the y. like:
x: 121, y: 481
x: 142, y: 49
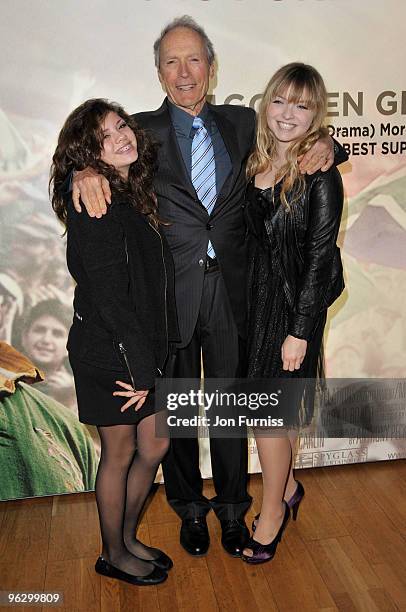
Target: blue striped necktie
x: 203, y: 173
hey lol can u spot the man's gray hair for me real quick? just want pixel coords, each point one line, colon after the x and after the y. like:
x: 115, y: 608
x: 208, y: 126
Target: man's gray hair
x: 184, y: 22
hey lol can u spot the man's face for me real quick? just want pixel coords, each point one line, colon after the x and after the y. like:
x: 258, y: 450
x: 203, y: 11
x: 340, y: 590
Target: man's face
x: 44, y: 342
x: 184, y: 70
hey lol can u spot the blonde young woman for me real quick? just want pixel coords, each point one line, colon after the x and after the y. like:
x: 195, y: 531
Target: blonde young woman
x: 295, y: 273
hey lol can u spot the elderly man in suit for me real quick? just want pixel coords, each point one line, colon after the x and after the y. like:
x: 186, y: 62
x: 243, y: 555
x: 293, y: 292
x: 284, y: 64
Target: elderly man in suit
x: 200, y: 188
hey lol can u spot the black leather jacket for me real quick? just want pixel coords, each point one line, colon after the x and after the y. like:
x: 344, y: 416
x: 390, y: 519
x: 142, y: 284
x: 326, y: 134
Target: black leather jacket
x: 303, y: 242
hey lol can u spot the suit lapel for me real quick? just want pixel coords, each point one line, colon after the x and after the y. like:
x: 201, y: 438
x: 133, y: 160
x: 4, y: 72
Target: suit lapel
x: 228, y: 133
x: 169, y: 153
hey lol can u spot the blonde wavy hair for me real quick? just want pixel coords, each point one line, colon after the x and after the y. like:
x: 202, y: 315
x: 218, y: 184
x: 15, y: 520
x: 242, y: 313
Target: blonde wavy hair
x: 298, y: 83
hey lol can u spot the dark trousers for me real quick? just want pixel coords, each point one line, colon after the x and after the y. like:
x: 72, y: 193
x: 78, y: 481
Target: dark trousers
x: 217, y: 339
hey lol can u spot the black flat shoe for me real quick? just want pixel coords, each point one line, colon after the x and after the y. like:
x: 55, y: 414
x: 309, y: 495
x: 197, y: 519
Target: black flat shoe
x: 162, y: 561
x: 234, y: 537
x: 194, y: 536
x: 261, y: 553
x: 105, y: 568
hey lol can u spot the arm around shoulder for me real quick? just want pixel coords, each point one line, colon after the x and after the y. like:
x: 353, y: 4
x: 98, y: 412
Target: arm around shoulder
x: 93, y: 190
x: 340, y: 154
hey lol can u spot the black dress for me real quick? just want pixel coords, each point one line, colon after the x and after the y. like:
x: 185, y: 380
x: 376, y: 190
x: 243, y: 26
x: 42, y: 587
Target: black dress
x: 268, y: 306
x: 125, y: 315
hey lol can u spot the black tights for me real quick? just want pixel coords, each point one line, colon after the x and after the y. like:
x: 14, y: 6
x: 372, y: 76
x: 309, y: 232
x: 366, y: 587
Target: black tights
x: 130, y: 456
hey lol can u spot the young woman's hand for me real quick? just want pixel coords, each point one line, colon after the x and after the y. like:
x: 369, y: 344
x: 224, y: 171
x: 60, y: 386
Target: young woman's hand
x: 293, y: 352
x: 94, y: 191
x: 137, y: 398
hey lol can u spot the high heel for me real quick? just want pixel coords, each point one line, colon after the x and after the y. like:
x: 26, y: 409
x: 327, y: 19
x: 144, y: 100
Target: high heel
x: 295, y: 500
x: 105, y: 568
x: 293, y: 503
x: 253, y: 525
x: 261, y: 553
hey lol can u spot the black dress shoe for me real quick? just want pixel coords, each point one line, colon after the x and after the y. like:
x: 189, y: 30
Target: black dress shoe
x: 194, y: 536
x: 105, y: 568
x: 234, y: 537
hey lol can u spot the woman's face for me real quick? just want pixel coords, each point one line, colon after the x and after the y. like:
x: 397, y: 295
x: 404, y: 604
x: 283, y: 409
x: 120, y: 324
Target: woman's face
x: 119, y: 147
x: 288, y: 121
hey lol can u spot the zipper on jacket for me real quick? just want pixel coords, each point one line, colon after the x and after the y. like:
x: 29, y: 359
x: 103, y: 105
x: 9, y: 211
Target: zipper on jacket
x: 124, y: 354
x: 120, y: 344
x: 166, y: 289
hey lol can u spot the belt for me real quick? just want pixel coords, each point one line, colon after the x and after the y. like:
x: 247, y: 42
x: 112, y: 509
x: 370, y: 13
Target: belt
x: 211, y: 264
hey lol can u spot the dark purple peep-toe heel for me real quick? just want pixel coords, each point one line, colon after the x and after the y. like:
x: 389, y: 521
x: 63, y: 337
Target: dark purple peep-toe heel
x: 261, y: 553
x: 293, y: 503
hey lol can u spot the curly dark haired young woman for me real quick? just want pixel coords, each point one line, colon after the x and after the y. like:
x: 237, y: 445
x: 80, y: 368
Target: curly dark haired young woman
x: 124, y: 320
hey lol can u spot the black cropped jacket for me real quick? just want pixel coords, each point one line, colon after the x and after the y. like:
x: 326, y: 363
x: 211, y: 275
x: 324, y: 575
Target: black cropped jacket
x: 303, y: 242
x: 125, y: 314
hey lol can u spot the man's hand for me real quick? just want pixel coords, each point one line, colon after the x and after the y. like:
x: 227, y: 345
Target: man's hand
x: 319, y: 157
x: 94, y: 191
x: 293, y: 352
x: 137, y: 398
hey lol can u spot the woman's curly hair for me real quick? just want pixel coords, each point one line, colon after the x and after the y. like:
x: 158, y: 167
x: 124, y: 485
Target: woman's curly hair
x: 80, y: 145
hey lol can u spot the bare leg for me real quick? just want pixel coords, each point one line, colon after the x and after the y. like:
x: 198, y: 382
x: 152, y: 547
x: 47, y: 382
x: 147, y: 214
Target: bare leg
x: 291, y: 484
x: 150, y: 451
x: 275, y: 456
x: 117, y: 452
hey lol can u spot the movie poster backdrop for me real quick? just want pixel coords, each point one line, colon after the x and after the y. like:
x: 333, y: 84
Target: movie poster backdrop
x: 56, y: 55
